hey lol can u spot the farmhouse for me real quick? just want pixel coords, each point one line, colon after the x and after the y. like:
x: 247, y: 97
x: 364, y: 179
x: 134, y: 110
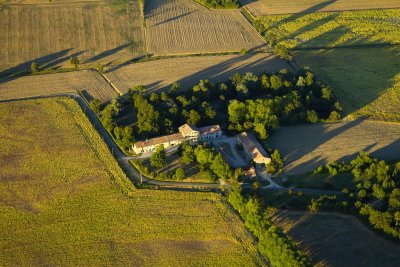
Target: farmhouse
x: 186, y: 132
x: 253, y: 148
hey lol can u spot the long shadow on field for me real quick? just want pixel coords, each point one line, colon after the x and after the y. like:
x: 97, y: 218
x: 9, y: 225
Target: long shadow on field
x: 301, y: 141
x: 26, y: 66
x: 174, y: 18
x: 108, y: 52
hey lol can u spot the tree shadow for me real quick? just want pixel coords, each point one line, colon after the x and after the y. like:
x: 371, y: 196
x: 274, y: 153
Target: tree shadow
x: 174, y: 18
x: 108, y: 52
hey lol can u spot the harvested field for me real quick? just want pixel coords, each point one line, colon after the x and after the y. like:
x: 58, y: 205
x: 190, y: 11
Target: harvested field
x: 334, y: 239
x: 49, y: 84
x: 271, y: 7
x: 188, y: 71
x: 49, y: 33
x: 185, y: 27
x: 57, y: 209
x: 306, y: 147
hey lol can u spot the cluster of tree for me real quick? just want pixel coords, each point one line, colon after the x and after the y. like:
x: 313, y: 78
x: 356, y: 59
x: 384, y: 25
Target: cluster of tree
x: 249, y: 102
x: 329, y: 203
x: 272, y: 37
x: 212, y: 164
x: 123, y: 136
x: 276, y: 165
x: 219, y: 3
x: 377, y: 194
x: 279, y: 249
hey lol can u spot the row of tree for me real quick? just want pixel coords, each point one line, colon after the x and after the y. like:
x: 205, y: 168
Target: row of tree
x: 279, y: 249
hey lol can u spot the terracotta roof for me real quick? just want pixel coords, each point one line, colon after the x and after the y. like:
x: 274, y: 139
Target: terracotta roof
x: 186, y: 129
x: 253, y: 147
x: 209, y: 129
x: 159, y: 140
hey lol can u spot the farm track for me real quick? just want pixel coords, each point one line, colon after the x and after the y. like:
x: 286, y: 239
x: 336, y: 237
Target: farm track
x: 183, y: 27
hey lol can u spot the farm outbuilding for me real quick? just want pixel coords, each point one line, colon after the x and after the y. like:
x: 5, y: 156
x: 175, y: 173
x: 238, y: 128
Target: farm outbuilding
x: 253, y: 148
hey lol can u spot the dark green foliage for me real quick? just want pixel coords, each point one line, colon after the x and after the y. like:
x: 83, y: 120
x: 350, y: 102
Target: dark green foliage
x: 377, y: 194
x: 179, y: 174
x: 159, y: 158
x: 187, y: 153
x: 123, y: 136
x: 74, y: 61
x: 219, y: 3
x: 95, y: 105
x: 276, y: 165
x: 34, y: 67
x: 147, y: 116
x: 220, y: 167
x: 272, y: 242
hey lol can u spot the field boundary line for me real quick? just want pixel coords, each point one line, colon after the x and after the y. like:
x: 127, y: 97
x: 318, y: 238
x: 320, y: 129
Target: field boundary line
x: 111, y: 84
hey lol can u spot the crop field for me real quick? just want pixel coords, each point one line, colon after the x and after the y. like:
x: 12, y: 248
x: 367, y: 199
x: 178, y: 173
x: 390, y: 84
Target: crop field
x: 185, y: 27
x: 48, y: 84
x: 49, y: 33
x: 272, y: 7
x: 334, y: 239
x: 188, y: 71
x: 58, y: 209
x: 336, y: 29
x: 306, y: 147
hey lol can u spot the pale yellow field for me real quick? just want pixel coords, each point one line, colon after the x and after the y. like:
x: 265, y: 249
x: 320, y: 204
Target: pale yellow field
x: 334, y: 239
x: 60, y: 204
x: 183, y: 26
x: 188, y: 71
x: 49, y: 84
x: 271, y: 7
x: 306, y: 147
x: 49, y: 33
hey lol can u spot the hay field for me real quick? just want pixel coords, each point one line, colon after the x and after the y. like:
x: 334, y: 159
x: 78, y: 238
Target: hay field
x: 306, y: 147
x: 188, y: 71
x: 334, y: 239
x: 49, y: 33
x: 272, y: 7
x: 58, y: 209
x: 49, y: 84
x: 185, y: 27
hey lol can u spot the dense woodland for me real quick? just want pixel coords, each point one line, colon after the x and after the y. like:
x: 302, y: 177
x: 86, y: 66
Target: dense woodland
x: 377, y: 193
x: 243, y: 103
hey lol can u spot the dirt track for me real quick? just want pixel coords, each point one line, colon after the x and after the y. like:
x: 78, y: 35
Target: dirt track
x: 306, y: 147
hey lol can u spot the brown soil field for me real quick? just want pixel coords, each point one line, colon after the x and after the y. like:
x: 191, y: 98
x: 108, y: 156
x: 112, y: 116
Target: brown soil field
x: 306, y: 147
x: 50, y: 33
x: 334, y: 239
x: 271, y: 7
x: 185, y: 27
x: 48, y: 84
x: 188, y: 71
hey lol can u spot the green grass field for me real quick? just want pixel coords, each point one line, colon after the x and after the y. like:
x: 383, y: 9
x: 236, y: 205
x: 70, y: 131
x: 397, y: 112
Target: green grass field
x: 64, y: 201
x: 345, y: 50
x: 335, y: 29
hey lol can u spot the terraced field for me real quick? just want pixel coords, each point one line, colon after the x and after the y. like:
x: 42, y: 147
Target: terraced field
x: 184, y: 27
x: 306, y: 147
x: 49, y: 84
x: 64, y: 201
x: 49, y: 33
x: 334, y: 239
x: 272, y: 7
x: 188, y: 71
